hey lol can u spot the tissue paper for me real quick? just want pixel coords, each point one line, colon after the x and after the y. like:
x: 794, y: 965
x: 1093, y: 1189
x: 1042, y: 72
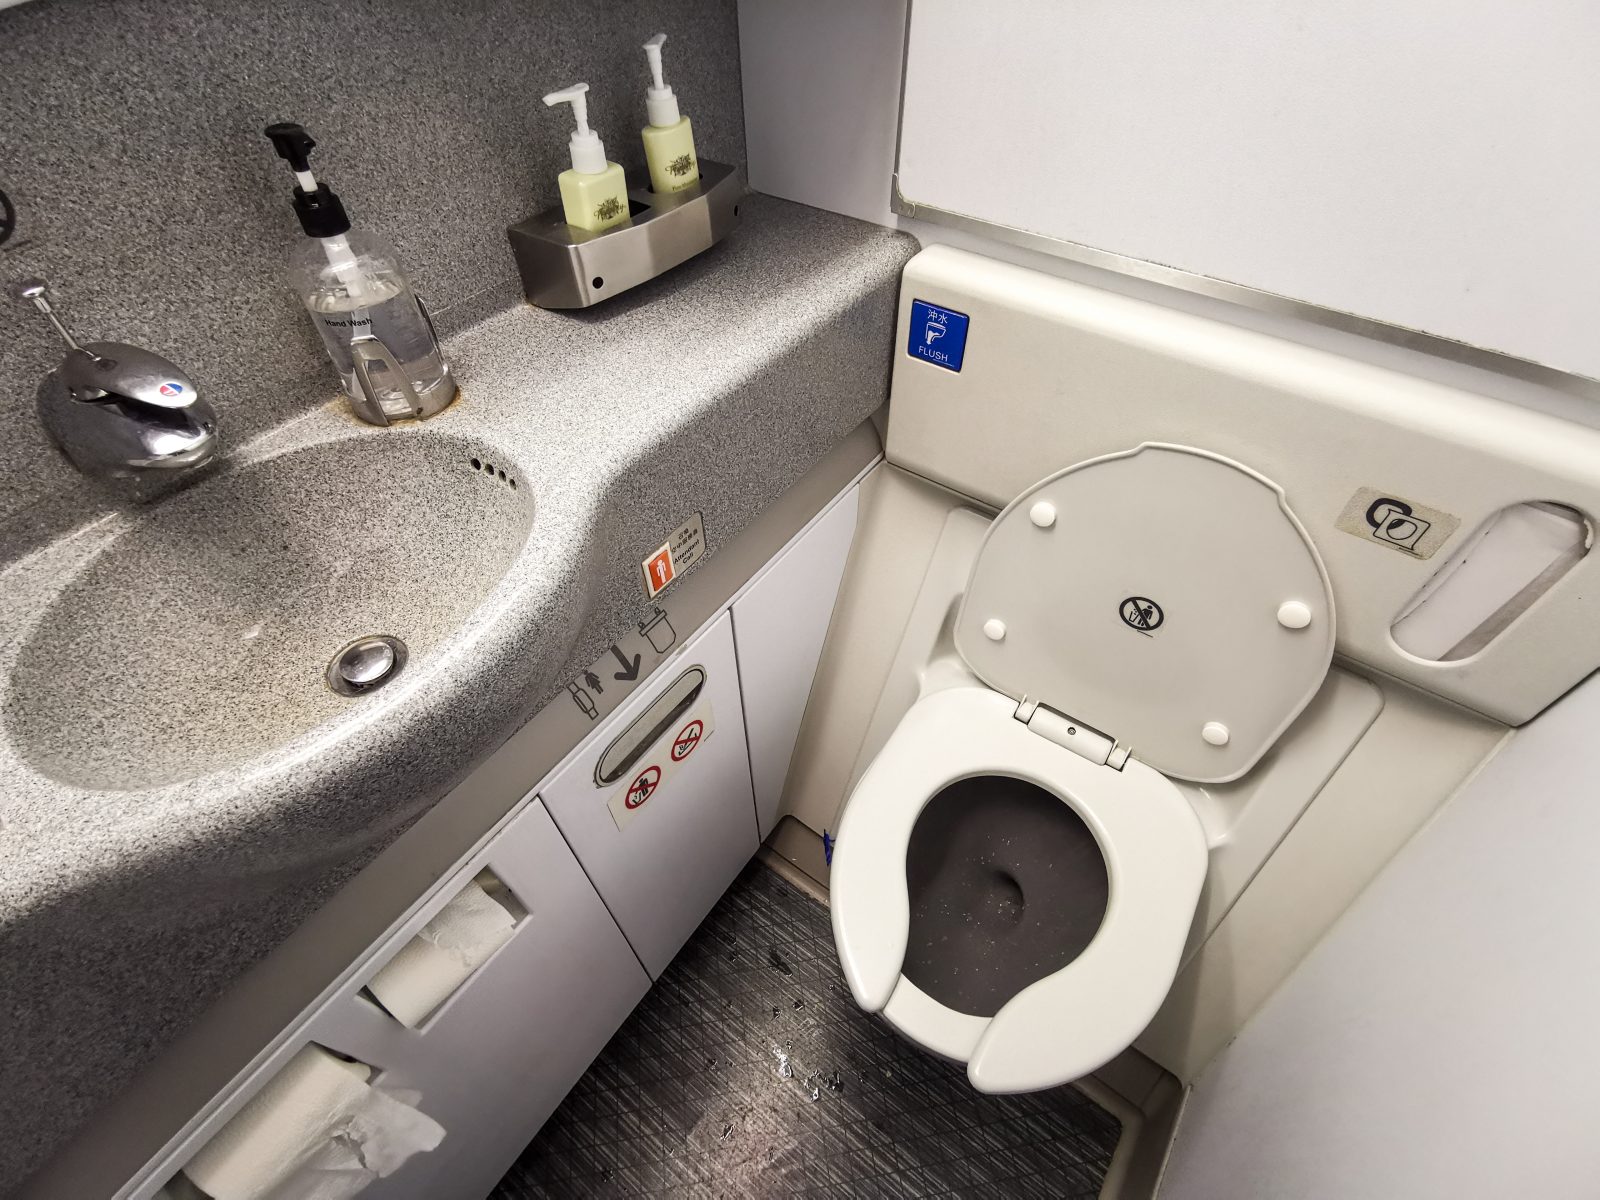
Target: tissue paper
x: 428, y: 968
x: 316, y: 1131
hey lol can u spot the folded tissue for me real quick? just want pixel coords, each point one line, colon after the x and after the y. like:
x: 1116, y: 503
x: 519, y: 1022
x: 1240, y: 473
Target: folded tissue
x: 316, y: 1131
x: 432, y: 965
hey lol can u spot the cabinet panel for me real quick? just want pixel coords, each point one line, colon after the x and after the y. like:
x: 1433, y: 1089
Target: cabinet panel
x: 779, y: 625
x: 497, y: 1057
x: 663, y: 841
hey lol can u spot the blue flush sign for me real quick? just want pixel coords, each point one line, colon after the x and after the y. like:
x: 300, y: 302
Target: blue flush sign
x: 938, y: 335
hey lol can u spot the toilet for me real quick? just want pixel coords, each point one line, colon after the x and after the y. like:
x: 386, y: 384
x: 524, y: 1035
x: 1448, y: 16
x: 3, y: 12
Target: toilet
x: 1015, y: 872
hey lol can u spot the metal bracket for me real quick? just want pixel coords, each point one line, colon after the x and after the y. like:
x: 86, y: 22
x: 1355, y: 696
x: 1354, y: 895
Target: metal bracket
x: 365, y: 353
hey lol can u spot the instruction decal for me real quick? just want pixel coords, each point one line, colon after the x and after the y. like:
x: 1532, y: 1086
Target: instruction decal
x: 602, y: 685
x: 674, y: 748
x: 938, y: 335
x: 1386, y: 519
x: 657, y: 630
x: 630, y: 666
x: 675, y: 556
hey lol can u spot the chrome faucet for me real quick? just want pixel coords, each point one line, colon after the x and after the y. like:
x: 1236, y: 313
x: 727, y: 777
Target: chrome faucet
x: 119, y: 410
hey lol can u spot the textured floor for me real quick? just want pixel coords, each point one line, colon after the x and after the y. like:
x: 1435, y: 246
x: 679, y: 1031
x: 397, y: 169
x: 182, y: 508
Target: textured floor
x: 749, y: 1071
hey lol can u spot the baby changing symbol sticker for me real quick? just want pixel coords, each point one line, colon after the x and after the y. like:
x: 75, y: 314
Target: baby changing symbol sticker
x: 658, y: 764
x: 938, y: 335
x: 1398, y: 523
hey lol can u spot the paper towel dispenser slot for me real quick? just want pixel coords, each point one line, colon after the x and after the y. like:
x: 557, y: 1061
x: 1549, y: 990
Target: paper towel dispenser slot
x: 446, y: 952
x: 317, y: 1127
x: 630, y: 745
x: 1497, y: 574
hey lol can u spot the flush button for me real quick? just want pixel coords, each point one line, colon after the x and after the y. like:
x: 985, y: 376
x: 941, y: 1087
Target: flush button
x: 1215, y: 733
x: 1294, y: 614
x: 994, y: 629
x: 1043, y: 514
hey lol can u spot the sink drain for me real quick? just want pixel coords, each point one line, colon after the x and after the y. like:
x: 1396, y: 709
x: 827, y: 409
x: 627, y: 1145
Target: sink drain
x: 366, y: 664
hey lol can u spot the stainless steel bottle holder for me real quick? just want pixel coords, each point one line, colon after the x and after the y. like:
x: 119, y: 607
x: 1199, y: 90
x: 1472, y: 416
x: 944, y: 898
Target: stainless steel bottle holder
x: 565, y: 267
x: 367, y: 352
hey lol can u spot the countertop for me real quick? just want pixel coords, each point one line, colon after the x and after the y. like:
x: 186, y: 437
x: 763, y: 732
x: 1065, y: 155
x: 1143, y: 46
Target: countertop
x: 124, y: 914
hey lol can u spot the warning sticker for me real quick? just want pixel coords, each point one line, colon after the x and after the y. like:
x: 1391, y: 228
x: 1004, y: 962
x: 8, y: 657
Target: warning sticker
x: 675, y: 556
x: 642, y: 788
x: 671, y: 750
x: 1400, y: 524
x: 688, y: 738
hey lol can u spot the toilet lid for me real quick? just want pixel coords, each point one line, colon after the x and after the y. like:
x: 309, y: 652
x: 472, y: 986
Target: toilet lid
x: 1166, y: 596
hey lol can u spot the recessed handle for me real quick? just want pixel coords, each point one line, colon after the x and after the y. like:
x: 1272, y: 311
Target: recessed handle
x: 629, y: 746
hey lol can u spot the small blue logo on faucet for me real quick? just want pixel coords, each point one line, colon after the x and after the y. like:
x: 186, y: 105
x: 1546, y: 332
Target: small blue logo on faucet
x: 171, y: 389
x: 938, y: 335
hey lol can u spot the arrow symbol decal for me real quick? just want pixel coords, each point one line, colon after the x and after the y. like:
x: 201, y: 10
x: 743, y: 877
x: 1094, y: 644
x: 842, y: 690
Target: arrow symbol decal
x: 630, y: 667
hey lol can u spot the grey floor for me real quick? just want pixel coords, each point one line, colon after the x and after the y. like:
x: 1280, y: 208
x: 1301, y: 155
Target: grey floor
x: 749, y: 1071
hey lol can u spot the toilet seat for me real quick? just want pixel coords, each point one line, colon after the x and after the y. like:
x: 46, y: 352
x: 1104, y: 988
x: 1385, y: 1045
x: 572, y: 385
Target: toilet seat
x: 1069, y: 1023
x: 1157, y: 612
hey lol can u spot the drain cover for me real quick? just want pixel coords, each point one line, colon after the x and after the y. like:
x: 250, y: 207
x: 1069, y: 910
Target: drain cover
x: 366, y: 664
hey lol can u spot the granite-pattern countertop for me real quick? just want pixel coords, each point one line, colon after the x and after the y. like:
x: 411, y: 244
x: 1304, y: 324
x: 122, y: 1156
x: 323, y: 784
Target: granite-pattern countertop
x: 124, y: 913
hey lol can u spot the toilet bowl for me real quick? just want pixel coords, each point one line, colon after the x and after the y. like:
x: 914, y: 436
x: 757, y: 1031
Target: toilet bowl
x: 1015, y: 873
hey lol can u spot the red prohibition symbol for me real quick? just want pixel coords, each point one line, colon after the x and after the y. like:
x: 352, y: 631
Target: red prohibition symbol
x: 642, y: 788
x: 688, y: 738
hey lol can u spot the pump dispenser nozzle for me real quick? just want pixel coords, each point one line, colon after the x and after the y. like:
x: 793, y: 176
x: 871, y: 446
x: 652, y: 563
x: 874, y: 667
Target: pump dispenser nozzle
x: 320, y: 211
x: 293, y: 144
x: 659, y: 103
x: 588, y: 151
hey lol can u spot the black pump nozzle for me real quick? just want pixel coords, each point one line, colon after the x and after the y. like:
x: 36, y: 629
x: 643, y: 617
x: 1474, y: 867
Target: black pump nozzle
x: 293, y: 144
x: 320, y: 212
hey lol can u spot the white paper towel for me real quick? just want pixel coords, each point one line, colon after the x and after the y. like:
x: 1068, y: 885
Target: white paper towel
x: 428, y: 968
x: 316, y: 1131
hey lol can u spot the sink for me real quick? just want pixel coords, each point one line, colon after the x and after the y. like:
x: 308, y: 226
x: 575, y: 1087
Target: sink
x: 198, y: 634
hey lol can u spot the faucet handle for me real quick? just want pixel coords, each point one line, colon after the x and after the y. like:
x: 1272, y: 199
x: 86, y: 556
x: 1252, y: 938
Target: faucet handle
x: 30, y: 289
x: 36, y: 291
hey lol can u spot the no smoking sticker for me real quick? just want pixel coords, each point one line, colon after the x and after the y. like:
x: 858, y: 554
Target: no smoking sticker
x: 656, y: 767
x: 688, y: 738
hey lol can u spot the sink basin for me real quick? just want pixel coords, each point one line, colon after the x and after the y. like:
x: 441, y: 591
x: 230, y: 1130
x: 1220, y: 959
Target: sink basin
x: 198, y: 636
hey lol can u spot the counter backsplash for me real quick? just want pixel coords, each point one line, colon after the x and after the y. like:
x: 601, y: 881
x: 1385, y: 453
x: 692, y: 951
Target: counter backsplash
x: 132, y: 148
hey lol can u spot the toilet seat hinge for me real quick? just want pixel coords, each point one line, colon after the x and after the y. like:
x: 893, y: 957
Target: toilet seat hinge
x: 1072, y: 734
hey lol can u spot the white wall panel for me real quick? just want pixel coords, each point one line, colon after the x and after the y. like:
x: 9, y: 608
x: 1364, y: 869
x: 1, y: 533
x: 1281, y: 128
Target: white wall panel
x: 1440, y: 1042
x: 1422, y: 164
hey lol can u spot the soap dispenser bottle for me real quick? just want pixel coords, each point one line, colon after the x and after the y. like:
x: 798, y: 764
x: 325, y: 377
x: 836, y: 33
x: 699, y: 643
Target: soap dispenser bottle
x: 373, y: 325
x: 668, y: 139
x: 594, y: 194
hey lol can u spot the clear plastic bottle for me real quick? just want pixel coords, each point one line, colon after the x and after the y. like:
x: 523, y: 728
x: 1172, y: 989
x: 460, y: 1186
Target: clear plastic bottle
x: 372, y: 323
x: 363, y: 306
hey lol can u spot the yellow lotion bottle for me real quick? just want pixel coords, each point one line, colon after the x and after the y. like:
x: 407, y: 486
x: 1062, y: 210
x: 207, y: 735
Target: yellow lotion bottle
x: 594, y: 194
x: 668, y: 140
